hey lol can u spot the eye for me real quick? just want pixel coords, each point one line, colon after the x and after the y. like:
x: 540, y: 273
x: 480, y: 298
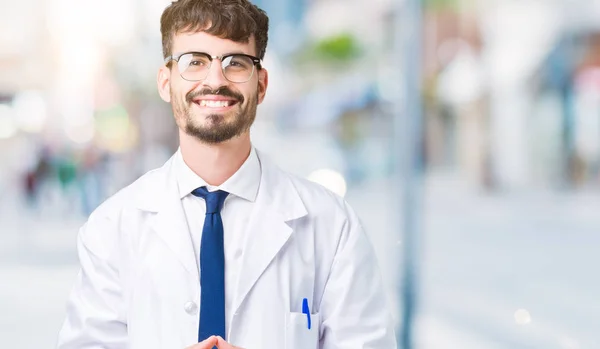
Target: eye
x: 196, y: 60
x: 238, y: 62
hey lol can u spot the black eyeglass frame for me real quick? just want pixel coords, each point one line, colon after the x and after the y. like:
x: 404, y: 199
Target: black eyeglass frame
x: 255, y: 60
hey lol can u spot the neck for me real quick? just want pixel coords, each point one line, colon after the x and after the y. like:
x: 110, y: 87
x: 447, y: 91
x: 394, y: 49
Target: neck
x: 214, y: 163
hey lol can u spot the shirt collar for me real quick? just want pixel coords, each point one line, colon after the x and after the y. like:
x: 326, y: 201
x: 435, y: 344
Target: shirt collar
x: 244, y: 183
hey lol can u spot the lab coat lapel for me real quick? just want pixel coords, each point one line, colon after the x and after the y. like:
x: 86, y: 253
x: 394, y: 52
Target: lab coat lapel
x: 277, y: 203
x: 267, y: 235
x: 170, y: 224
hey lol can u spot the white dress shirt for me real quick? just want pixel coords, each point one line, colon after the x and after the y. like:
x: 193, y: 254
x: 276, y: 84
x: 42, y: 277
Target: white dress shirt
x: 236, y: 212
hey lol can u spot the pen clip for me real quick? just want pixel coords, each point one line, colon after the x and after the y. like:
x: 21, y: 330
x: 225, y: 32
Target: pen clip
x: 306, y: 310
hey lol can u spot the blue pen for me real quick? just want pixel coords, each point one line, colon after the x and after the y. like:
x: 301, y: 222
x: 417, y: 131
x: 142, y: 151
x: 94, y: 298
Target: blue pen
x: 306, y: 310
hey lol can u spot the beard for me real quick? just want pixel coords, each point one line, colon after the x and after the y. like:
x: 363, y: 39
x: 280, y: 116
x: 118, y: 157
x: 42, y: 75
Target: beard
x: 217, y: 129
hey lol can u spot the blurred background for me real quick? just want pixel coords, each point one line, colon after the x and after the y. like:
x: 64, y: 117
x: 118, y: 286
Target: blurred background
x: 503, y: 201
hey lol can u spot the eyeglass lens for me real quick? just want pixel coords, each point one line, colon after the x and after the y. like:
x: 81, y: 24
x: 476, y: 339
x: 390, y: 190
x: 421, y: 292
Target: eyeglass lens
x: 195, y: 67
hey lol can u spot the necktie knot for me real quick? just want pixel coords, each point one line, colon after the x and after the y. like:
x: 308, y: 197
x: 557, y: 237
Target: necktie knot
x: 214, y: 200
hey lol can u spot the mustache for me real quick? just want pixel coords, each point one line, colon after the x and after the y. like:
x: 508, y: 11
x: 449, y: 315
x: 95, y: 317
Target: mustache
x: 222, y: 91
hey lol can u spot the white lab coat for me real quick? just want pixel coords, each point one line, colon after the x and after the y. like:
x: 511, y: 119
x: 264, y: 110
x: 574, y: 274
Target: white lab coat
x: 139, y: 284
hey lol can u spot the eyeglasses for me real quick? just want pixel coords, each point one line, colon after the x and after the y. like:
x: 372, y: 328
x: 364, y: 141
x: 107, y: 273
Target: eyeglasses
x: 194, y: 66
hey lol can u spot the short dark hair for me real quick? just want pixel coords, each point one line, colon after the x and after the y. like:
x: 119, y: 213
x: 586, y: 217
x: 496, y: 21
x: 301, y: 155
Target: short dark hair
x: 236, y: 20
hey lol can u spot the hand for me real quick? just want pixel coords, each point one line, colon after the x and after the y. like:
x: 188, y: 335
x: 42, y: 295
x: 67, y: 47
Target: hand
x: 208, y: 343
x: 222, y: 344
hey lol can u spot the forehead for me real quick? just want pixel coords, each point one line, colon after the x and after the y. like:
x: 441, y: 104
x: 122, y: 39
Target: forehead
x: 201, y: 41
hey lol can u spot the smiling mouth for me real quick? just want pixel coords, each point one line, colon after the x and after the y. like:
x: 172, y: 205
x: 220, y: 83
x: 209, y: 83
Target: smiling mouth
x: 215, y: 104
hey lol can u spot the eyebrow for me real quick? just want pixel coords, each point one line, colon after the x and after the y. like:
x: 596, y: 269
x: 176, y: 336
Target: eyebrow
x: 224, y: 54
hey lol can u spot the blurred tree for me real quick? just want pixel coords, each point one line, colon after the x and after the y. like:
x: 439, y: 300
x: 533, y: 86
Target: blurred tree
x: 341, y: 47
x: 331, y: 51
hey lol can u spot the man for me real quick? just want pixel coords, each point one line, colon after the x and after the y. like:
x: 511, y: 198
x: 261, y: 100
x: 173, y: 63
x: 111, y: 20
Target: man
x: 219, y: 247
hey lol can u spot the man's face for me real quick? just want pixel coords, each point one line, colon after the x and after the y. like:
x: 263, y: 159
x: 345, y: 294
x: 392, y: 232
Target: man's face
x: 214, y: 109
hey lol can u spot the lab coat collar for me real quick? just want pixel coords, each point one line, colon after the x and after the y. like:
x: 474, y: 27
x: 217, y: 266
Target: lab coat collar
x: 243, y: 183
x: 157, y: 187
x: 277, y: 201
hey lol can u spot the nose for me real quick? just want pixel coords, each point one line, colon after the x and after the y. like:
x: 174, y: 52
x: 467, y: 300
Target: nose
x: 215, y: 78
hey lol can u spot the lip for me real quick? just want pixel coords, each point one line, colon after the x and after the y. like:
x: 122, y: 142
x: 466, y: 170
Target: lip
x: 213, y: 98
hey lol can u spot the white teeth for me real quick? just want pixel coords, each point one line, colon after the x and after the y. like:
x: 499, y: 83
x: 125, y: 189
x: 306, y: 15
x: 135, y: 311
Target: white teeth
x: 214, y: 104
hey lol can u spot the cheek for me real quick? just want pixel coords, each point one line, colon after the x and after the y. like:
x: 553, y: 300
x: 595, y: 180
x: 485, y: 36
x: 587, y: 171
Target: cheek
x: 180, y: 91
x: 251, y: 94
x: 175, y: 90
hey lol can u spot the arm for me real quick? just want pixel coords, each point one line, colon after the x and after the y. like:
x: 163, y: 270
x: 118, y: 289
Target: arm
x: 95, y: 313
x: 354, y: 310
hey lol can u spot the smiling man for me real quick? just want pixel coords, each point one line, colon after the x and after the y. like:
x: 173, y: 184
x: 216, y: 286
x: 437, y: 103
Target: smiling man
x: 219, y: 247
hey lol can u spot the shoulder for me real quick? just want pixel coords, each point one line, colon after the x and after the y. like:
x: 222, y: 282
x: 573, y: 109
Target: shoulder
x: 317, y: 199
x: 316, y: 194
x: 102, y: 232
x: 132, y: 196
x: 321, y: 203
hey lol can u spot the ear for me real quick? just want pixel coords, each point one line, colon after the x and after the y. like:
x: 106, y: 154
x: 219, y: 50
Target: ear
x: 263, y: 82
x: 163, y: 81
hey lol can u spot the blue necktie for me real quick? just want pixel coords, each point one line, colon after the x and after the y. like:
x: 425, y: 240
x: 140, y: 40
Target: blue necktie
x: 212, y: 267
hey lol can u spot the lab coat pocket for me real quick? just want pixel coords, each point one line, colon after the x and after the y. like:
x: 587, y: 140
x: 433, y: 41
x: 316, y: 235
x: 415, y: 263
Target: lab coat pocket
x: 297, y: 334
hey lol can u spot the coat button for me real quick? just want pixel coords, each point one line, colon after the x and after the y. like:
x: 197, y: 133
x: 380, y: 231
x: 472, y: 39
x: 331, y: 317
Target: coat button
x: 191, y: 308
x: 237, y: 254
